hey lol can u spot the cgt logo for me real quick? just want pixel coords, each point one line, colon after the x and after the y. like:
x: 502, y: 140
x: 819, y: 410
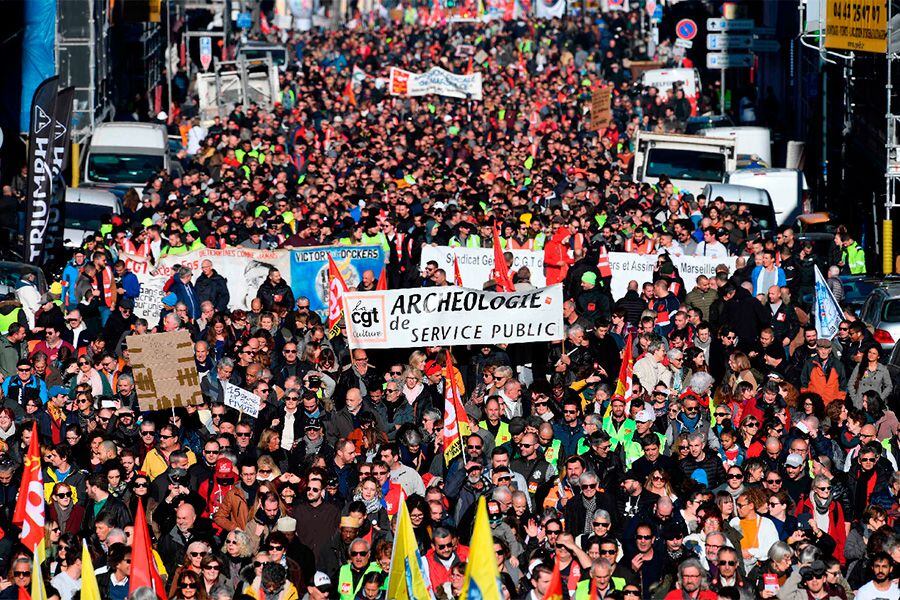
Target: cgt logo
x: 367, y: 318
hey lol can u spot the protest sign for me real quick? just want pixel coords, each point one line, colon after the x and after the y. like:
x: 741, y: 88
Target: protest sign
x: 241, y: 400
x: 451, y: 316
x: 601, y: 109
x: 309, y: 270
x: 475, y: 264
x: 626, y: 267
x: 245, y: 269
x: 435, y: 81
x: 165, y: 374
x: 550, y: 9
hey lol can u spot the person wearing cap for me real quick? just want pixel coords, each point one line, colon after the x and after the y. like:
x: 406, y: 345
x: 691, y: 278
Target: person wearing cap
x: 711, y: 247
x: 70, y: 275
x: 634, y: 447
x: 464, y: 236
x: 824, y: 374
x: 53, y: 422
x: 591, y: 300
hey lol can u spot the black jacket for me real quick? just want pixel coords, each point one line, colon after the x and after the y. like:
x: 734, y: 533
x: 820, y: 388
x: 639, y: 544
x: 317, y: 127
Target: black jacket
x: 214, y: 289
x: 269, y: 292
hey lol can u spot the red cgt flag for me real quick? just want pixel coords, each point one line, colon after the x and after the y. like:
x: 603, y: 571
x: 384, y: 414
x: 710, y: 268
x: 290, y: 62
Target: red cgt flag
x: 337, y: 287
x: 457, y: 276
x: 143, y: 571
x: 501, y: 272
x: 624, y: 382
x: 30, y: 507
x: 382, y: 281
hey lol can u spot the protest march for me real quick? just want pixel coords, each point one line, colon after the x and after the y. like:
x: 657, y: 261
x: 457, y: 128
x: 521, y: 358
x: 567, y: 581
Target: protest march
x: 417, y: 331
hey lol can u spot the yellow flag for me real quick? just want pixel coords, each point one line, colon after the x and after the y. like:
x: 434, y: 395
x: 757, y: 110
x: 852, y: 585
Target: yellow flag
x: 37, y: 579
x: 409, y: 572
x: 89, y: 588
x: 482, y: 578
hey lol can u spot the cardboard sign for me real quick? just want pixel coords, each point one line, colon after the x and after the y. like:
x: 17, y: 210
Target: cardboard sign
x: 601, y: 108
x: 165, y: 375
x: 241, y: 400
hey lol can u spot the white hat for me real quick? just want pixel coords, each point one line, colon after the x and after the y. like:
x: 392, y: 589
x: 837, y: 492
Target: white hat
x: 645, y: 415
x: 162, y: 116
x: 320, y: 579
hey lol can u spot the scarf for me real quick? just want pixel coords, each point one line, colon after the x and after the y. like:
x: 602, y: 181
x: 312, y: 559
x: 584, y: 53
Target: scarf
x: 372, y: 506
x: 590, y: 506
x: 412, y: 394
x: 821, y: 506
x: 62, y: 514
x: 6, y: 434
x: 312, y: 447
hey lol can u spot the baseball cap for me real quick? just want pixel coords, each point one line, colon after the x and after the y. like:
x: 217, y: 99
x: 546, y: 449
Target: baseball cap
x: 350, y: 522
x: 823, y: 343
x: 286, y: 525
x: 58, y: 390
x: 126, y: 302
x: 321, y: 580
x: 793, y: 460
x: 645, y: 415
x: 516, y: 425
x: 432, y: 368
x: 224, y: 468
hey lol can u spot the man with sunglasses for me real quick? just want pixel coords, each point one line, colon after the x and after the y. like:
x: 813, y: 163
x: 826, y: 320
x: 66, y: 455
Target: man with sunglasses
x: 25, y: 385
x: 157, y: 460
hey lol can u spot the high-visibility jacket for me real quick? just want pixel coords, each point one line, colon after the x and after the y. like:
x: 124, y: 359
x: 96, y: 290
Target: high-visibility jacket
x: 632, y: 247
x: 539, y: 240
x: 622, y: 434
x: 502, y: 435
x: 378, y: 239
x: 855, y: 259
x: 551, y: 455
x: 346, y: 589
x: 583, y: 590
x: 473, y: 241
x: 9, y: 318
x: 603, y: 264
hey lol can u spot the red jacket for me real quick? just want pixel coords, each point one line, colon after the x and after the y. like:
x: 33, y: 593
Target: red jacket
x: 437, y: 571
x: 836, y: 529
x: 556, y: 257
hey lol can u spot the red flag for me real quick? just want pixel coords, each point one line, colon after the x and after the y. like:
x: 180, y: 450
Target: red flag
x: 29, y: 513
x: 349, y: 94
x: 382, y: 281
x: 555, y: 589
x: 594, y: 595
x: 337, y: 287
x: 23, y: 594
x: 456, y: 422
x: 457, y: 276
x: 501, y: 272
x: 624, y: 382
x: 143, y: 571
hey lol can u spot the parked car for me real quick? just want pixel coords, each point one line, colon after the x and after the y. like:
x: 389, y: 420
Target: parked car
x: 11, y: 274
x: 881, y: 311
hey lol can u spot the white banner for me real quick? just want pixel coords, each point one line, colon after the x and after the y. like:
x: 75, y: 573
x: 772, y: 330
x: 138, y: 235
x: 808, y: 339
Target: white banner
x: 545, y: 10
x: 241, y: 400
x: 244, y: 268
x: 452, y: 316
x: 435, y: 81
x: 475, y: 264
x: 627, y: 267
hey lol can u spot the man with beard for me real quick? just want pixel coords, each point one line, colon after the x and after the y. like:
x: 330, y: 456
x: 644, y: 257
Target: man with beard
x: 882, y: 584
x: 531, y: 464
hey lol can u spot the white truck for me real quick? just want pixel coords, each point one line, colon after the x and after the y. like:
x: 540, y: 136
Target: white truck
x: 689, y: 161
x: 126, y: 155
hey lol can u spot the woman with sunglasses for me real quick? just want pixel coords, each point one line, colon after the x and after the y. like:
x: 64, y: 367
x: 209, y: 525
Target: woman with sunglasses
x: 659, y: 483
x: 18, y: 580
x: 85, y: 373
x: 193, y: 556
x: 63, y: 509
x: 252, y: 574
x: 188, y: 585
x: 211, y: 572
x: 236, y: 557
x: 827, y: 515
x: 748, y: 430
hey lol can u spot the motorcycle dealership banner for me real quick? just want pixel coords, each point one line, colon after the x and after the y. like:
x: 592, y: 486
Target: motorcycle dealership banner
x: 244, y: 268
x: 309, y: 270
x: 41, y: 140
x: 475, y: 264
x: 451, y: 316
x: 626, y: 267
x: 435, y: 81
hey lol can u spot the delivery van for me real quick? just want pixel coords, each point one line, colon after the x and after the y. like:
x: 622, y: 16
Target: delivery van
x: 86, y: 209
x: 665, y: 79
x: 689, y: 161
x: 756, y: 201
x: 787, y: 188
x: 126, y: 155
x: 753, y: 144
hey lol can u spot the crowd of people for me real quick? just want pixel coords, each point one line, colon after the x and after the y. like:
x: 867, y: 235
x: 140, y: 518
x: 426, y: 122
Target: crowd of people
x: 743, y: 457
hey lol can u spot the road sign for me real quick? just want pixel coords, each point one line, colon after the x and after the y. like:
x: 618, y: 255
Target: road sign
x: 729, y: 24
x: 724, y: 60
x: 680, y: 43
x: 244, y: 20
x: 206, y: 52
x: 686, y: 29
x: 765, y: 46
x: 657, y: 15
x: 761, y: 31
x: 724, y: 41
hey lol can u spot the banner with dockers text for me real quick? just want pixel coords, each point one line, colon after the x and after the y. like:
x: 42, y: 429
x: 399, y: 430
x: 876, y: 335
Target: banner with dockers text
x: 452, y: 316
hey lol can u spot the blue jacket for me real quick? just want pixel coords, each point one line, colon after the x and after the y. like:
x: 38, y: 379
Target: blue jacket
x: 782, y: 281
x: 15, y: 389
x: 131, y: 285
x: 69, y: 278
x: 186, y: 294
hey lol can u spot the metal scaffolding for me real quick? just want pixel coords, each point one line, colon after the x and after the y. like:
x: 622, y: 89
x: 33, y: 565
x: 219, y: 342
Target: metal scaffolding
x: 892, y: 144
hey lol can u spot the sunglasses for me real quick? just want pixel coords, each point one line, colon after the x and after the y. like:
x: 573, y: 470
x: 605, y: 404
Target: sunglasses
x: 64, y: 495
x: 644, y: 537
x: 735, y: 476
x: 189, y: 586
x: 141, y: 484
x: 553, y: 531
x: 359, y: 553
x: 22, y: 574
x: 773, y: 481
x: 198, y: 554
x: 727, y: 563
x: 601, y: 524
x: 608, y: 552
x: 276, y: 547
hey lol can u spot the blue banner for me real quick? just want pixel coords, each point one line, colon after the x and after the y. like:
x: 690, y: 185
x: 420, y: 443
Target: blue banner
x: 309, y: 270
x: 828, y: 312
x: 38, y: 52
